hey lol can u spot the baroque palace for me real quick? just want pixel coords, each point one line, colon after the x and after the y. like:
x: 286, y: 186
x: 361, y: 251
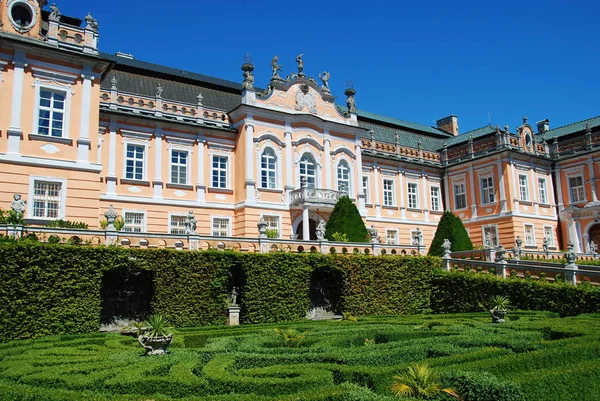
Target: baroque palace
x: 81, y: 130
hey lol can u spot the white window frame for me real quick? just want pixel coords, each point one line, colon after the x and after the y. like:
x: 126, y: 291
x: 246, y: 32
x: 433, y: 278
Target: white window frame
x: 266, y: 216
x: 387, y: 237
x: 170, y: 222
x: 413, y: 198
x: 391, y: 192
x: 276, y: 170
x: 531, y: 242
x: 227, y: 171
x: 348, y: 181
x: 187, y: 166
x: 63, y: 196
x: 212, y: 222
x: 582, y: 187
x: 488, y: 190
x: 316, y: 169
x: 543, y: 191
x: 39, y: 86
x: 463, y: 193
x: 365, y: 188
x: 132, y: 211
x: 523, y: 187
x: 144, y: 160
x: 495, y: 237
x: 551, y: 242
x: 436, y: 198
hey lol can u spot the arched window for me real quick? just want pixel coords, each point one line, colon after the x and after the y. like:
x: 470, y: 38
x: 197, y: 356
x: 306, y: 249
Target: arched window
x: 268, y: 169
x: 343, y: 177
x: 308, y: 175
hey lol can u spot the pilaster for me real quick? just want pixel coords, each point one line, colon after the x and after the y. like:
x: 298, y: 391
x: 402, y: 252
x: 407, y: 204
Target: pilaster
x: 501, y: 188
x: 250, y: 183
x: 111, y: 178
x: 83, y: 141
x: 327, y: 145
x: 359, y: 179
x: 289, y: 179
x: 472, y: 193
x: 425, y: 201
x: 15, y: 131
x: 200, y: 185
x: 157, y: 182
x: 377, y: 182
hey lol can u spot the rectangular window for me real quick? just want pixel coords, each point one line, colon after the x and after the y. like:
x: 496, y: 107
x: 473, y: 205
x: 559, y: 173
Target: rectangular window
x: 487, y: 190
x: 219, y: 172
x: 391, y: 237
x: 460, y: 196
x: 523, y: 187
x: 435, y: 199
x: 549, y: 235
x: 413, y: 197
x: 51, y: 113
x: 529, y: 235
x: 179, y: 167
x: 134, y: 222
x: 177, y: 224
x: 46, y: 199
x: 543, y: 190
x: 388, y: 192
x: 220, y: 227
x: 365, y: 186
x: 273, y: 224
x: 134, y: 162
x: 490, y: 236
x: 576, y: 189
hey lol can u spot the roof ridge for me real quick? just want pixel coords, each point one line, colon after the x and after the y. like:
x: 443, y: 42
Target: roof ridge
x: 568, y: 125
x: 397, y: 121
x: 476, y: 129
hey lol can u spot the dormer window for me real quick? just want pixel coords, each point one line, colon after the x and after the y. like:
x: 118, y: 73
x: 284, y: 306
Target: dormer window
x: 22, y: 16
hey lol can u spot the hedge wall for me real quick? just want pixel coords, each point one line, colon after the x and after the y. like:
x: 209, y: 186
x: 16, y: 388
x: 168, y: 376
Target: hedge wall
x: 467, y: 292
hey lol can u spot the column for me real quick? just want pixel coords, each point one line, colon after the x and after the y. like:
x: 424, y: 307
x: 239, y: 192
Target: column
x: 472, y: 192
x: 558, y: 180
x: 501, y: 189
x: 360, y: 195
x: 516, y: 194
x: 305, y: 224
x: 327, y: 143
x: 83, y: 141
x: 289, y: 178
x: 111, y: 178
x: 445, y: 178
x: 535, y: 192
x: 402, y: 185
x: 157, y: 182
x: 377, y: 179
x: 14, y: 131
x: 425, y: 201
x: 249, y: 162
x: 590, y: 164
x: 200, y: 185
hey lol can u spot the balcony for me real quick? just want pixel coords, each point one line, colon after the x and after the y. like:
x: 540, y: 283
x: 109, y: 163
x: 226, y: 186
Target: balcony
x: 314, y: 197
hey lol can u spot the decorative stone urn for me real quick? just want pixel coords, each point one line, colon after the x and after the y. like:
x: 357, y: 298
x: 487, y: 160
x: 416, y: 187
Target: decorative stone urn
x: 155, y: 345
x: 497, y: 315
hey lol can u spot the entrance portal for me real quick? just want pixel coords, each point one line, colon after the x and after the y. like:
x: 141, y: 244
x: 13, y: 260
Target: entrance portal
x: 594, y: 234
x: 312, y: 230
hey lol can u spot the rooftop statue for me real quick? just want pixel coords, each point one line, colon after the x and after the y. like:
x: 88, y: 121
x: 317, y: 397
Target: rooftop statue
x: 159, y: 90
x: 325, y: 78
x: 300, y: 65
x: 55, y: 14
x: 276, y: 68
x: 91, y: 22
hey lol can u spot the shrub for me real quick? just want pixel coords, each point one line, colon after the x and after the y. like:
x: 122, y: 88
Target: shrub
x: 452, y: 228
x: 272, y: 233
x: 339, y: 237
x: 60, y: 223
x: 475, y: 386
x: 345, y: 219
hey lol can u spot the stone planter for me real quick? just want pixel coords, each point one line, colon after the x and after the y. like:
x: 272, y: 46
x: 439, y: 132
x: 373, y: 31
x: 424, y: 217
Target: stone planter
x: 155, y: 345
x: 497, y: 315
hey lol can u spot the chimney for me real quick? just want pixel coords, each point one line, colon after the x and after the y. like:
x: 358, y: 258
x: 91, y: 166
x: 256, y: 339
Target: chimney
x: 449, y: 124
x: 543, y: 126
x: 125, y: 55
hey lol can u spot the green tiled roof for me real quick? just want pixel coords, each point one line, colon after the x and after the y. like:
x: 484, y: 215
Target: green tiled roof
x: 401, y: 123
x: 387, y: 134
x: 570, y: 128
x: 476, y: 133
x: 172, y: 90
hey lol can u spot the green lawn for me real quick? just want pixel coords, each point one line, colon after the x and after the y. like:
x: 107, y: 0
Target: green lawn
x: 549, y: 358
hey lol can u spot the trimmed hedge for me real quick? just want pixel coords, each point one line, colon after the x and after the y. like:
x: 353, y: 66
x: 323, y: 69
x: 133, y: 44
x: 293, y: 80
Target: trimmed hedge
x: 470, y: 292
x: 450, y: 227
x: 345, y: 219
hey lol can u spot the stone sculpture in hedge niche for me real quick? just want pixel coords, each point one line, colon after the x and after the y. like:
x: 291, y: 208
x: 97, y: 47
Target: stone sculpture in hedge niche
x: 155, y: 339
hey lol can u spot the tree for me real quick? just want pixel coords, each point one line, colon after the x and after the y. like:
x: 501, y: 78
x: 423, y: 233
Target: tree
x: 345, y: 219
x: 450, y: 227
x: 419, y: 381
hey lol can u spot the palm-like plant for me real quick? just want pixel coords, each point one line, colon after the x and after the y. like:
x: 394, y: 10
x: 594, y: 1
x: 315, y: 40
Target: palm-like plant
x: 500, y: 303
x: 157, y: 326
x: 292, y: 338
x: 419, y: 381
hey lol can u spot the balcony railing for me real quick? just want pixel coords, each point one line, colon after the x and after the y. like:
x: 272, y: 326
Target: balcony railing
x: 314, y: 197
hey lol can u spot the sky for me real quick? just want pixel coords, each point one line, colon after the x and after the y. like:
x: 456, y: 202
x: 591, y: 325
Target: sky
x: 420, y: 61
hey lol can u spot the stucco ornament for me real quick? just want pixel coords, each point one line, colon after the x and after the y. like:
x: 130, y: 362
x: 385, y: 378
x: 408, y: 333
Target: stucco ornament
x: 305, y: 99
x: 300, y: 65
x: 321, y: 230
x: 18, y: 204
x: 325, y: 78
x: 276, y: 68
x: 190, y: 223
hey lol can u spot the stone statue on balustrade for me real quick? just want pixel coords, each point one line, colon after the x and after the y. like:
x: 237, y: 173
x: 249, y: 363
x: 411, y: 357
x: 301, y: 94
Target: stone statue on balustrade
x: 517, y: 250
x: 545, y: 245
x: 321, y: 230
x: 570, y: 255
x: 190, y: 223
x: 372, y: 231
x: 446, y: 245
x: 18, y: 204
x: 500, y: 253
x: 593, y: 247
x: 418, y: 237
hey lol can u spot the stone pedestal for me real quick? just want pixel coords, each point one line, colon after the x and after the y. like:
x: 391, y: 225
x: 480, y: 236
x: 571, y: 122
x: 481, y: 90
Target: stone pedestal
x: 234, y: 316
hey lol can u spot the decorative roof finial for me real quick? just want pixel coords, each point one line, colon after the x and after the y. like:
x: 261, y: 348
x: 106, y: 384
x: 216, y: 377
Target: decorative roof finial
x: 300, y: 65
x: 248, y: 67
x: 506, y: 128
x: 159, y: 91
x: 199, y: 97
x: 325, y: 77
x: 588, y: 128
x: 524, y: 119
x: 91, y: 22
x: 55, y: 14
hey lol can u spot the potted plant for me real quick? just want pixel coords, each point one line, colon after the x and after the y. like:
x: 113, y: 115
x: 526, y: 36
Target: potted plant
x: 500, y: 306
x: 155, y: 339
